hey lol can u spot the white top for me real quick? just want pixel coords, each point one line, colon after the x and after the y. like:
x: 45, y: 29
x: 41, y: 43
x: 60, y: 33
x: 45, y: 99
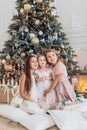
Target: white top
x: 43, y: 85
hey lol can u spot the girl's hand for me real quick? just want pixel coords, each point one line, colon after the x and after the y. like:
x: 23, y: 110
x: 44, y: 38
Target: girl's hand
x: 38, y: 103
x: 43, y: 78
x: 46, y: 92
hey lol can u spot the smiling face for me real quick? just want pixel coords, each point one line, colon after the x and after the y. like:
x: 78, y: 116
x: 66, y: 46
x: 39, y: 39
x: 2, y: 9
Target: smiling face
x: 52, y: 57
x: 42, y: 61
x: 33, y: 63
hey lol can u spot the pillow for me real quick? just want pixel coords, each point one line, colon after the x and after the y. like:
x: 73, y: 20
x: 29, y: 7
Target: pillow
x: 84, y: 114
x: 25, y: 105
x: 68, y: 120
x: 39, y: 121
x: 31, y: 122
x: 80, y: 107
x: 11, y: 112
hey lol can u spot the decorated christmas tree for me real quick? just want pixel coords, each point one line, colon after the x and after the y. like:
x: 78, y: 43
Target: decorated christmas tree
x: 35, y: 28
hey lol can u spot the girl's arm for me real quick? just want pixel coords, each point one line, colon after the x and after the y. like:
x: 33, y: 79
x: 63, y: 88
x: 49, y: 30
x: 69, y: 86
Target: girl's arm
x: 37, y: 79
x: 22, y: 89
x: 53, y: 85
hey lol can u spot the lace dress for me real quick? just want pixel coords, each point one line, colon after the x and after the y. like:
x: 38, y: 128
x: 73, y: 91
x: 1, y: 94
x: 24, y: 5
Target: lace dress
x: 43, y: 85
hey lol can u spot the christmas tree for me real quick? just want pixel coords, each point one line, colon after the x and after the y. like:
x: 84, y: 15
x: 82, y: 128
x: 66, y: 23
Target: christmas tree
x: 35, y: 28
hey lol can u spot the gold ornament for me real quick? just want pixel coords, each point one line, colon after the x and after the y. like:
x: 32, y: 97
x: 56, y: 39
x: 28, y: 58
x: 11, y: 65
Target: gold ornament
x: 37, y: 22
x: 31, y: 51
x: 23, y: 54
x: 39, y: 1
x: 35, y: 41
x: 25, y: 1
x: 8, y: 68
x: 3, y: 61
x: 16, y: 45
x: 21, y: 10
x: 27, y: 7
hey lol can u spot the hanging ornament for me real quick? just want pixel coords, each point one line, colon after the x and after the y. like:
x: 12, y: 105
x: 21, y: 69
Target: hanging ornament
x: 27, y: 45
x: 74, y: 59
x: 51, y: 3
x: 32, y: 35
x: 16, y: 45
x: 23, y: 54
x: 27, y: 7
x: 44, y: 18
x: 54, y: 12
x: 22, y: 34
x: 21, y: 29
x: 8, y: 68
x: 37, y: 22
x: 26, y: 17
x: 66, y: 60
x: 40, y: 33
x: 25, y: 1
x: 58, y: 52
x: 39, y: 1
x: 49, y: 26
x: 34, y: 12
x: 32, y: 5
x: 42, y: 40
x: 31, y: 51
x: 8, y: 57
x: 34, y: 1
x: 3, y: 61
x: 21, y: 10
x: 35, y: 41
x: 14, y: 33
x: 26, y: 29
x: 62, y: 46
x: 55, y: 36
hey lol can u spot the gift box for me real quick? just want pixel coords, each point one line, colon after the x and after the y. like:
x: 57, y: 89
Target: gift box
x: 6, y: 94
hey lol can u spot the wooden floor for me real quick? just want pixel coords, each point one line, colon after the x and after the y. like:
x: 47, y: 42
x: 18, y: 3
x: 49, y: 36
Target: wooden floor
x: 6, y: 124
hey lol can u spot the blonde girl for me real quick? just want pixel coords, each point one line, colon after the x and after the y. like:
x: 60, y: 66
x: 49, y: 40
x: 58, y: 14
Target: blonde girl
x: 60, y: 78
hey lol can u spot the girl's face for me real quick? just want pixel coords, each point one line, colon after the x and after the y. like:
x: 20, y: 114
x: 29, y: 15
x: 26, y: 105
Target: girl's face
x: 52, y: 58
x: 42, y: 61
x: 33, y: 63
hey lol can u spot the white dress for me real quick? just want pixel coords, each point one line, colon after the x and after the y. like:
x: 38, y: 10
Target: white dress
x: 33, y: 89
x: 26, y: 105
x: 43, y: 85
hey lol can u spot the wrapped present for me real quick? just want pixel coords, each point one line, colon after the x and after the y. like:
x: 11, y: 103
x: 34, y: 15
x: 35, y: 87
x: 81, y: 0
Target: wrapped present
x: 6, y: 94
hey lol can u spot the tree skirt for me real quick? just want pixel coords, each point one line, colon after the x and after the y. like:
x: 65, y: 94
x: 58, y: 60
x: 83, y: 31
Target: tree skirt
x: 6, y: 124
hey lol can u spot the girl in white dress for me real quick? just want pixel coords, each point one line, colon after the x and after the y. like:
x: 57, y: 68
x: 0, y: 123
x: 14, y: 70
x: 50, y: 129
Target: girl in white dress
x: 44, y: 80
x: 28, y: 87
